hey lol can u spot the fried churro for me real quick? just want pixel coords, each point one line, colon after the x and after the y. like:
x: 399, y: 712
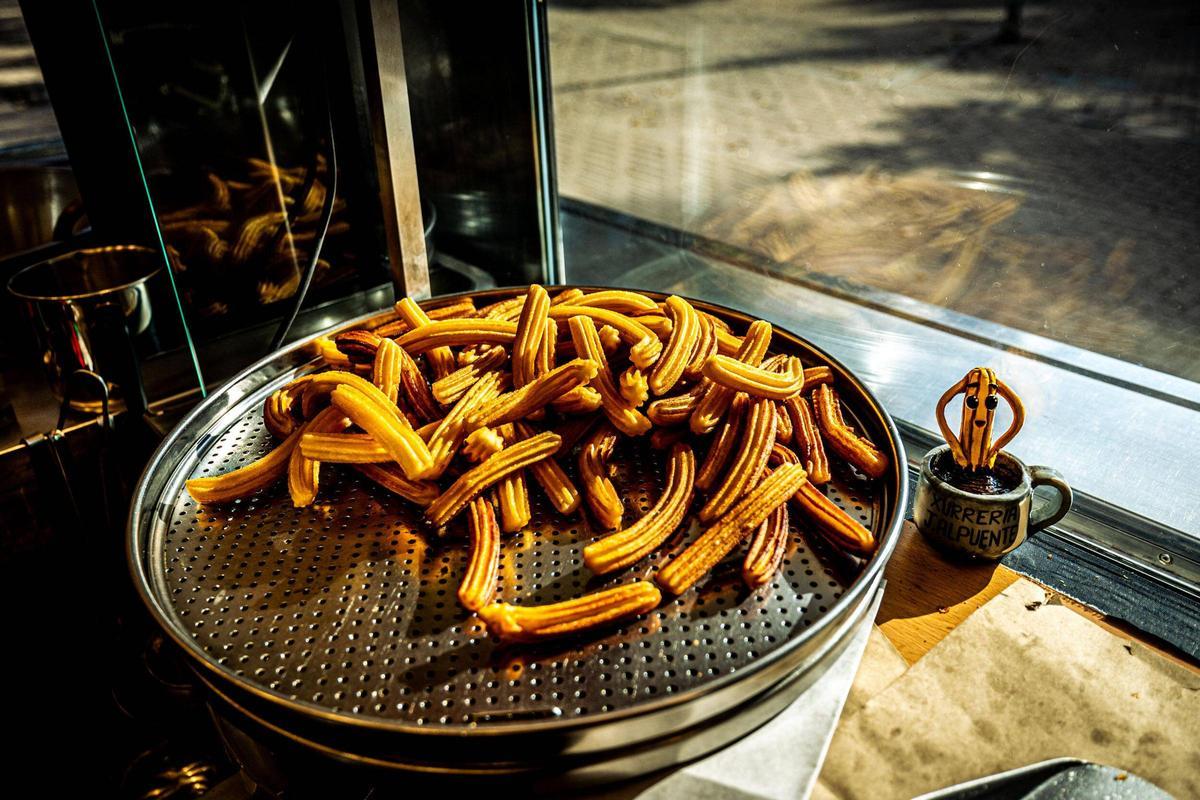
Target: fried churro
x: 449, y: 389
x: 859, y: 451
x: 534, y: 396
x: 626, y: 547
x: 392, y: 478
x: 807, y: 439
x: 478, y: 587
x: 458, y: 332
x: 685, y: 328
x: 634, y: 386
x: 343, y: 448
x: 626, y: 419
x: 620, y: 301
x: 598, y: 489
x: 454, y: 427
x: 706, y: 345
x: 551, y: 477
x: 742, y: 377
x: 529, y: 623
x: 721, y: 446
x: 645, y: 346
x: 767, y: 548
x: 757, y: 438
x: 838, y: 527
x: 304, y: 472
x: 245, y: 480
x: 715, y: 402
x: 389, y: 429
x: 531, y: 328
x: 719, y: 539
x: 441, y: 359
x: 489, y: 472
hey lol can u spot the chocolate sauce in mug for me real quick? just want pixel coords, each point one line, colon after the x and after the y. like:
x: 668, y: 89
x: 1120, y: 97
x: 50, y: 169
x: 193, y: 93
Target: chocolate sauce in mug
x: 1003, y: 478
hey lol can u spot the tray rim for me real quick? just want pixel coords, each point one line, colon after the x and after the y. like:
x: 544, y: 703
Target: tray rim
x: 140, y: 515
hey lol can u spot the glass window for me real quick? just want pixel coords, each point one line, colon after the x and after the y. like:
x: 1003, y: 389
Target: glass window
x: 918, y: 188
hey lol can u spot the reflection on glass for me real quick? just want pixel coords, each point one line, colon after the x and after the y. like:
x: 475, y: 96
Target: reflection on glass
x: 1045, y: 180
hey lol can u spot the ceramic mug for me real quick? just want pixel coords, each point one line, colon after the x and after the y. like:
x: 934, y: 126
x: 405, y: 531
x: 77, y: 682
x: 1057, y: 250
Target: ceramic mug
x: 979, y: 524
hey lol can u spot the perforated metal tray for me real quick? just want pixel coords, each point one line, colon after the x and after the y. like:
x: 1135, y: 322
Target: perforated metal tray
x: 337, y: 625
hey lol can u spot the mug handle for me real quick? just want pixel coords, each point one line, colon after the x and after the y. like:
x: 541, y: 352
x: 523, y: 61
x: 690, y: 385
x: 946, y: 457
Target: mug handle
x: 1047, y: 476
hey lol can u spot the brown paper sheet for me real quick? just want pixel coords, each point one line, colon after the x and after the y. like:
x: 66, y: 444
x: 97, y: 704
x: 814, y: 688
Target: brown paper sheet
x: 1020, y: 681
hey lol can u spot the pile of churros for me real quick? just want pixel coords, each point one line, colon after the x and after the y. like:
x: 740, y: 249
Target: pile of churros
x: 455, y: 410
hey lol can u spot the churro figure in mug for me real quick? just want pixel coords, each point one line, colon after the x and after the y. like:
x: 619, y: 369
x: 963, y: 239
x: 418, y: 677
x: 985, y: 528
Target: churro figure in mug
x: 973, y: 448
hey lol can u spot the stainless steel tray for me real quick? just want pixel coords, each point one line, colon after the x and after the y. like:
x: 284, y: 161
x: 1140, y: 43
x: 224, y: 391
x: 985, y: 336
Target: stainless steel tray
x: 336, y: 627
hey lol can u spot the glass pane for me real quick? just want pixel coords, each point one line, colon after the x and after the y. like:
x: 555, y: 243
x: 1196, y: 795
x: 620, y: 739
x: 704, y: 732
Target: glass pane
x: 926, y: 184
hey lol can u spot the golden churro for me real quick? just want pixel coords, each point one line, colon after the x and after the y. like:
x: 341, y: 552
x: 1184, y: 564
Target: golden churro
x: 815, y: 376
x: 486, y: 474
x: 512, y: 494
x: 838, y: 527
x: 759, y: 382
x: 620, y: 301
x: 859, y: 451
x: 626, y: 419
x: 417, y: 394
x: 716, y: 399
x: 342, y: 448
x: 534, y: 396
x: 677, y: 409
x: 453, y: 428
x: 546, y: 353
x: 610, y: 339
x: 458, y: 332
x: 478, y: 587
x: 685, y: 328
x: 634, y: 386
x: 706, y: 345
x: 531, y: 328
x: 502, y: 308
x: 767, y: 548
x: 391, y: 430
x: 620, y: 549
x: 398, y: 327
x: 598, y: 489
x: 441, y: 359
x: 645, y: 346
x: 722, y: 444
x: 358, y: 346
x: 304, y: 472
x: 277, y: 412
x: 550, y: 476
x: 660, y: 325
x: 751, y: 457
x: 807, y: 439
x: 390, y: 477
x: 727, y: 343
x: 725, y: 534
x: 449, y: 389
x: 784, y: 430
x: 385, y: 372
x: 256, y: 475
x: 568, y: 296
x: 528, y: 623
x: 481, y: 443
x: 580, y: 400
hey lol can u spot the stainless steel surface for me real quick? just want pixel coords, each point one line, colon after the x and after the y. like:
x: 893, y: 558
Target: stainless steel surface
x: 339, y: 622
x: 1056, y: 779
x: 391, y: 121
x: 31, y: 199
x: 85, y: 308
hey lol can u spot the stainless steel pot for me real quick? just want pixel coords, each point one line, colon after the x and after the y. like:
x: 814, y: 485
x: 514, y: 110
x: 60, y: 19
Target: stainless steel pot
x: 85, y: 307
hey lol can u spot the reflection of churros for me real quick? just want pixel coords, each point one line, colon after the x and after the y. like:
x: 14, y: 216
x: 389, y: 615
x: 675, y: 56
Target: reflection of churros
x: 716, y: 542
x: 645, y: 346
x: 527, y: 623
x: 478, y: 587
x: 757, y: 438
x: 256, y: 475
x: 390, y: 477
x: 531, y: 397
x: 391, y: 430
x: 486, y: 474
x: 449, y: 389
x: 841, y: 438
x: 550, y: 476
x: 626, y: 419
x: 742, y: 377
x: 716, y: 399
x: 531, y: 328
x: 458, y: 332
x: 767, y: 548
x: 686, y: 326
x: 807, y: 438
x: 602, y: 497
x: 837, y: 526
x: 626, y: 547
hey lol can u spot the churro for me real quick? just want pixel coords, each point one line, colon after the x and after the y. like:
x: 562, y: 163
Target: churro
x: 385, y: 372
x: 742, y: 377
x: 623, y: 548
x: 551, y: 477
x: 392, y: 478
x: 620, y: 301
x: 767, y: 548
x: 441, y: 359
x: 481, y: 443
x: 531, y: 328
x: 533, y: 396
x: 342, y: 448
x: 807, y: 439
x: 303, y: 472
x: 634, y: 386
x: 489, y: 472
x: 719, y: 539
x: 751, y: 457
x: 528, y: 623
x: 838, y: 527
x: 721, y: 446
x: 478, y: 587
x: 713, y: 405
x: 645, y: 346
x: 391, y: 430
x: 859, y: 451
x: 626, y: 419
x: 685, y: 329
x: 449, y: 389
x: 277, y: 412
x: 246, y: 480
x: 453, y: 428
x: 598, y: 489
x: 458, y: 332
x: 706, y: 345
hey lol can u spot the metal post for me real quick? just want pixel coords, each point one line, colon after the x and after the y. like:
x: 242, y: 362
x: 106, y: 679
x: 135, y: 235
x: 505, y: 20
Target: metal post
x: 391, y: 122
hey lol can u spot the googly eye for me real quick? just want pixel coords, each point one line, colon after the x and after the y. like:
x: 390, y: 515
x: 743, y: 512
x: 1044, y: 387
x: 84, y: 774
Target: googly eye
x: 972, y: 402
x: 991, y: 401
